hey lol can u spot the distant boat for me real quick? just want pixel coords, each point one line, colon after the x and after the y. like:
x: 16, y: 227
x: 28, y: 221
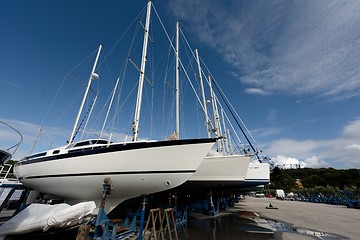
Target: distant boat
x: 221, y: 172
x: 258, y: 174
x: 221, y: 169
x: 77, y: 170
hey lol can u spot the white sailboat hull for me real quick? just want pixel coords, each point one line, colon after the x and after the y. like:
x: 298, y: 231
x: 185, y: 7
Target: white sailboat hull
x: 220, y: 171
x: 257, y: 174
x: 133, y: 172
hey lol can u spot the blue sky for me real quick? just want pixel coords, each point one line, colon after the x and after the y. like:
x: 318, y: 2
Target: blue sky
x: 290, y: 68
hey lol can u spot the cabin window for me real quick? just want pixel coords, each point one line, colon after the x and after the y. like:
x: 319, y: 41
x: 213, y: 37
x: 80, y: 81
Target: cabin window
x: 99, y: 142
x: 56, y: 151
x: 36, y: 155
x: 82, y: 144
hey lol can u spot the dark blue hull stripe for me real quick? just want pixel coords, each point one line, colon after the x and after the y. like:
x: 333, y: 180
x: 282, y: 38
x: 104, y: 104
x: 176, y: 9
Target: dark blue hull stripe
x: 116, y: 148
x: 108, y: 173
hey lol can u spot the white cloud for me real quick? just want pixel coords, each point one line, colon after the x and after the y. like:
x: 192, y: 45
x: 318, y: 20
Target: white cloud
x: 291, y: 162
x: 353, y: 147
x: 291, y: 47
x: 49, y: 137
x: 287, y: 162
x: 314, y: 162
x: 291, y: 147
x: 257, y: 91
x: 342, y: 151
x: 351, y: 131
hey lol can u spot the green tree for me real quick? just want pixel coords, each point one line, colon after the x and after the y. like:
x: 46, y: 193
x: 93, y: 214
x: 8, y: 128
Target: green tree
x: 313, y: 181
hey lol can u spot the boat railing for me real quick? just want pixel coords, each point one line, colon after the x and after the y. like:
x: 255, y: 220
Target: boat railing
x: 6, y: 174
x: 14, y: 147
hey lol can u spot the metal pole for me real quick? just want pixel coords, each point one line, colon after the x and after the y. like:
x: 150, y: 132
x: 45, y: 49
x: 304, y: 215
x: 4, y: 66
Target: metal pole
x: 177, y: 83
x: 85, y: 95
x: 207, y: 121
x: 142, y: 74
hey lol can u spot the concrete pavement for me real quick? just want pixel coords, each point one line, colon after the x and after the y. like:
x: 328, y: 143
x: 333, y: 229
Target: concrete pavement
x: 338, y: 220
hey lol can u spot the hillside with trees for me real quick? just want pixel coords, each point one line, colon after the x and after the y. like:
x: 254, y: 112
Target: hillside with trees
x: 323, y: 185
x: 305, y: 178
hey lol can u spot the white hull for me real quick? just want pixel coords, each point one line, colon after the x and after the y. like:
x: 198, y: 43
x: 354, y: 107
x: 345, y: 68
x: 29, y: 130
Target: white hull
x: 257, y: 174
x: 133, y: 172
x: 220, y: 171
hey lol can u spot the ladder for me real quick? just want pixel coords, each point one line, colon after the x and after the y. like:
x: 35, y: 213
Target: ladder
x: 170, y: 221
x: 6, y: 175
x: 158, y: 221
x: 5, y: 170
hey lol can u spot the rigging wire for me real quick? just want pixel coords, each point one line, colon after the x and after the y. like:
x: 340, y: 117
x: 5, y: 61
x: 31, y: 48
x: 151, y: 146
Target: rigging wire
x: 16, y: 146
x: 127, y: 29
x: 82, y: 121
x: 181, y: 63
x: 164, y: 91
x: 233, y: 115
x: 229, y: 105
x: 53, y: 101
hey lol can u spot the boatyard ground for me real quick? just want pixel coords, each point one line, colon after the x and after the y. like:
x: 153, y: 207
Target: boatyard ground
x: 251, y: 218
x: 334, y: 219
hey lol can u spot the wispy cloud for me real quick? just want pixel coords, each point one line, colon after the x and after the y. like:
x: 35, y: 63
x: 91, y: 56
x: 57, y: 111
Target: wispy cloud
x: 292, y: 47
x: 49, y: 137
x: 257, y: 91
x: 10, y: 84
x: 261, y: 133
x: 343, y: 150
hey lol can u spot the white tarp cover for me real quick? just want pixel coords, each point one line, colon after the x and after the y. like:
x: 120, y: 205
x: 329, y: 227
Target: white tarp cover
x: 43, y: 217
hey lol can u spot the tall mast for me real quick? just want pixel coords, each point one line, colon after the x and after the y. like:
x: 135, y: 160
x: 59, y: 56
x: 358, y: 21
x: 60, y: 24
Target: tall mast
x: 142, y: 75
x: 217, y: 123
x: 216, y: 116
x: 230, y: 142
x: 93, y: 76
x: 226, y: 144
x: 207, y: 120
x: 177, y: 82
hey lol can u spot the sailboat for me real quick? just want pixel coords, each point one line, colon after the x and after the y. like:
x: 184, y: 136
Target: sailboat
x: 258, y: 170
x: 258, y: 174
x: 77, y: 170
x: 220, y: 169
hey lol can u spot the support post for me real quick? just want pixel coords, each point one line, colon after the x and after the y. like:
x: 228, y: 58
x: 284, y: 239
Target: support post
x: 142, y: 218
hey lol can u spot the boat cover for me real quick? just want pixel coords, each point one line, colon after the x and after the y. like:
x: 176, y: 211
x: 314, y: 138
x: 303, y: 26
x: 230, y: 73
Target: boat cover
x: 43, y: 217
